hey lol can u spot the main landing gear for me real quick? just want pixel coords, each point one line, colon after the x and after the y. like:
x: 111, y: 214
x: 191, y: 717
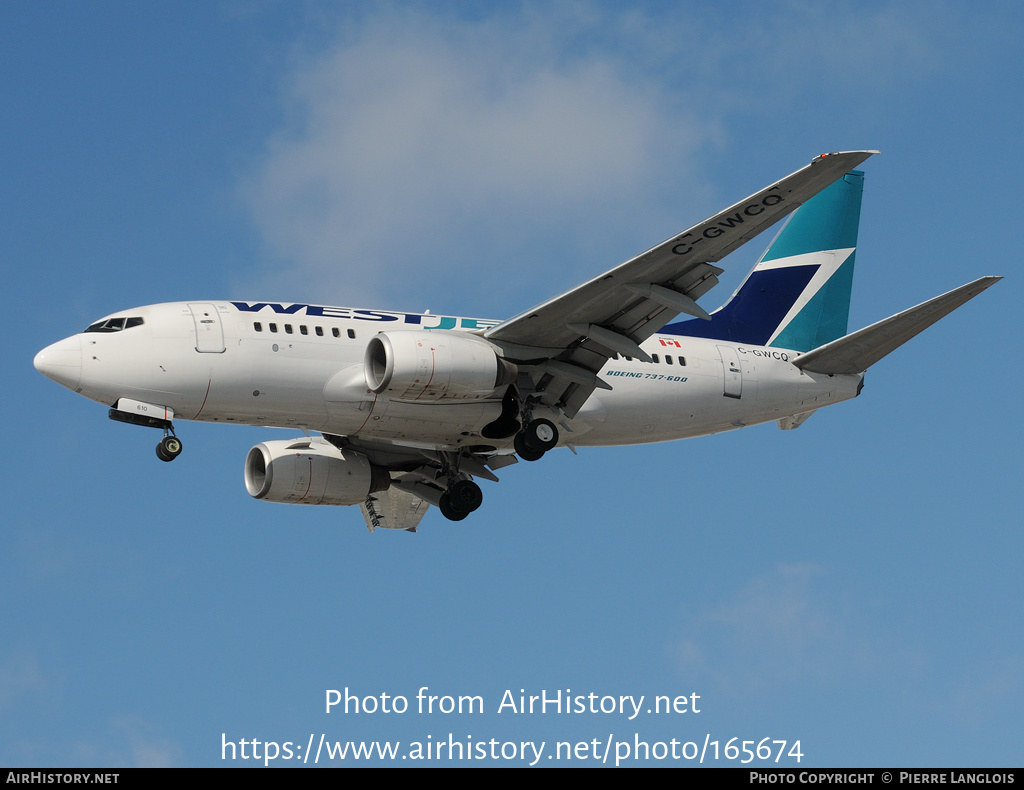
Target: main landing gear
x: 462, y: 496
x: 535, y: 439
x: 531, y: 437
x: 460, y: 500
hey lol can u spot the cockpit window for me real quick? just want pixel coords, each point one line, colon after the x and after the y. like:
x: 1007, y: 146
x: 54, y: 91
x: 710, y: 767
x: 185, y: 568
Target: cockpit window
x: 115, y: 324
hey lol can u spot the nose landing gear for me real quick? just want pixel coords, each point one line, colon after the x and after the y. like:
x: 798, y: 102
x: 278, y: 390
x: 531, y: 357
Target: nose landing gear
x: 150, y: 415
x: 169, y: 448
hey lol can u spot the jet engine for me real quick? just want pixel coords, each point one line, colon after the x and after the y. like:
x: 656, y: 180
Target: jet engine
x: 430, y: 367
x: 310, y: 472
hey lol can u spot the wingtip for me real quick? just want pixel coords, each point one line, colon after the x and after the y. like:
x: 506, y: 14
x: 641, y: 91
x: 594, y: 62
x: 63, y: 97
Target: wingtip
x: 864, y: 154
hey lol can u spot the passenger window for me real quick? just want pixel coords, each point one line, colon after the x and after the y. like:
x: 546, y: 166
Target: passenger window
x: 682, y: 360
x: 303, y: 330
x: 273, y: 327
x: 668, y: 360
x: 336, y: 332
x: 257, y: 326
x: 287, y: 329
x: 352, y: 334
x: 655, y: 358
x: 319, y: 331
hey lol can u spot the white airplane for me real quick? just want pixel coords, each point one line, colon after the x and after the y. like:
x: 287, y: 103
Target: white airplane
x: 411, y: 407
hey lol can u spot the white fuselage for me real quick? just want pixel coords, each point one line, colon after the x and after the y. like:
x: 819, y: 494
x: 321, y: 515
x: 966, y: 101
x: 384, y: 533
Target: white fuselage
x: 302, y: 366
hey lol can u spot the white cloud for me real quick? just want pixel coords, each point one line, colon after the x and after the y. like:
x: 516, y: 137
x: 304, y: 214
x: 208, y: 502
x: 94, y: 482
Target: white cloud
x: 988, y: 689
x: 147, y: 749
x: 422, y: 151
x: 19, y: 675
x: 432, y: 158
x: 777, y: 628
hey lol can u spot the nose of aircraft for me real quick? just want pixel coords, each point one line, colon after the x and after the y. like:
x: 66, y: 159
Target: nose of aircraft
x: 62, y: 362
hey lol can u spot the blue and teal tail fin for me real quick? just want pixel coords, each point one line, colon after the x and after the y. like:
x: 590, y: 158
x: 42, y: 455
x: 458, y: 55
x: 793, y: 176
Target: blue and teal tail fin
x: 798, y: 294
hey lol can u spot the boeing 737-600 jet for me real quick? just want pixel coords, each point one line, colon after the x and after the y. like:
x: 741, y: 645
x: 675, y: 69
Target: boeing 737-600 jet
x: 411, y: 407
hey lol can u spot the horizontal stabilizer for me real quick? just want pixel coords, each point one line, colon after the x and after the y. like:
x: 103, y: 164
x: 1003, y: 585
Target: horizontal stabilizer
x: 858, y: 351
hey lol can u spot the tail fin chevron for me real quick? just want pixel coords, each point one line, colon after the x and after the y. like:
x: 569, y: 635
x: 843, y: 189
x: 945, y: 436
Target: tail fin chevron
x: 798, y: 295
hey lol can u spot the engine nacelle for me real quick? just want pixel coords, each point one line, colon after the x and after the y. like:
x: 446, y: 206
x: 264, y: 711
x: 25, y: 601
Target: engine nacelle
x: 304, y: 472
x: 428, y: 367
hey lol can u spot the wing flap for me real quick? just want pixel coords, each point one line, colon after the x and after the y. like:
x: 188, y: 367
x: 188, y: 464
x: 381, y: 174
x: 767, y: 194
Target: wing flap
x: 859, y: 350
x: 393, y: 509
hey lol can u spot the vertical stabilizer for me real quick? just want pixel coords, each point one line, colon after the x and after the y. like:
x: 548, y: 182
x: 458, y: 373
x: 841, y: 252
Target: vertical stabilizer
x: 798, y: 294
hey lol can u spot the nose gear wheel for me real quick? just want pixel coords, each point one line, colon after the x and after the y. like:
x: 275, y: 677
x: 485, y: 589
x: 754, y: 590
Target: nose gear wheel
x: 169, y: 448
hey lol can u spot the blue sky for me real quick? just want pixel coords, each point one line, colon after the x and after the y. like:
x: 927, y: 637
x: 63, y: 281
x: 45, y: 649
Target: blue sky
x: 854, y: 584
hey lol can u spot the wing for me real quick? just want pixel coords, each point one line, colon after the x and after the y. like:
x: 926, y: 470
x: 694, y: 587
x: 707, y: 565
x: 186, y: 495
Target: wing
x: 565, y: 341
